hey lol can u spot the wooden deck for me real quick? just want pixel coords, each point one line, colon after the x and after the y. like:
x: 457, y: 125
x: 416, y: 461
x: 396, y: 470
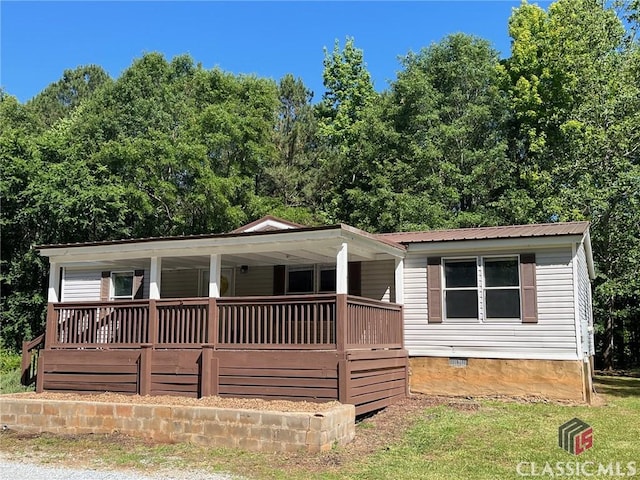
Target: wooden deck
x: 314, y: 348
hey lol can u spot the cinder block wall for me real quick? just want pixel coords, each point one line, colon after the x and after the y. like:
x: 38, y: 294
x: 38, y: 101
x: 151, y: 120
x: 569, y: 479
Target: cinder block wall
x: 257, y: 430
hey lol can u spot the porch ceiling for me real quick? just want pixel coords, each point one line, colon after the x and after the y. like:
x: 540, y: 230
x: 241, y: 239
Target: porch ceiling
x: 295, y: 246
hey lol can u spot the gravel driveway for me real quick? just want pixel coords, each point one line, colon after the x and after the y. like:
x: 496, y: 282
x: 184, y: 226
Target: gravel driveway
x: 17, y: 470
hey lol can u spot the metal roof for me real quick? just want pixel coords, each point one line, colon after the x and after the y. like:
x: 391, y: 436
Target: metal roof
x: 483, y: 233
x: 392, y: 239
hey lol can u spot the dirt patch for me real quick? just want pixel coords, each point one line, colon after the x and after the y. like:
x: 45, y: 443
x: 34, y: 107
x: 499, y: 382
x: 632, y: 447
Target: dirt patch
x: 213, y: 401
x: 373, y: 433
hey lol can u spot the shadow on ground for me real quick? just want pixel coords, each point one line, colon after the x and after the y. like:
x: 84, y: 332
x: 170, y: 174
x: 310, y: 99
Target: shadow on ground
x: 618, y: 386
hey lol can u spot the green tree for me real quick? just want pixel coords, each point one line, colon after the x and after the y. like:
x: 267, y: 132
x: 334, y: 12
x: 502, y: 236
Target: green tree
x: 341, y: 112
x: 290, y: 176
x: 460, y: 148
x: 61, y: 97
x: 44, y: 203
x: 349, y: 91
x: 574, y: 92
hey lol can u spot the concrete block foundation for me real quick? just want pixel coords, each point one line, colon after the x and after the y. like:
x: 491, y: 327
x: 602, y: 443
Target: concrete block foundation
x: 554, y: 379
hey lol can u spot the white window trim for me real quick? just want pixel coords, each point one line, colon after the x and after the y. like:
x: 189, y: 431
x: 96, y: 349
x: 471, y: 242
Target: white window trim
x: 480, y: 288
x: 112, y: 287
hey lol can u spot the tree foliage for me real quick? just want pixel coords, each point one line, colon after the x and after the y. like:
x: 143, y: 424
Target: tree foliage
x: 459, y: 138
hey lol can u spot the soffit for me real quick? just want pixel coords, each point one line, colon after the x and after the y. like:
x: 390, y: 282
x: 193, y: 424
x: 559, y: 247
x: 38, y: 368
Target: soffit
x: 295, y: 246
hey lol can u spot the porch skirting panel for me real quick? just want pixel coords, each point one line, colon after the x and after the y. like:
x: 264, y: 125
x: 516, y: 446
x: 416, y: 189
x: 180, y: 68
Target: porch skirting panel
x: 369, y: 379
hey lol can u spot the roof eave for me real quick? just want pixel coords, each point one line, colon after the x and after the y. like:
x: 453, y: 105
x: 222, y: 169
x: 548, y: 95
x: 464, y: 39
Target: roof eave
x: 234, y: 243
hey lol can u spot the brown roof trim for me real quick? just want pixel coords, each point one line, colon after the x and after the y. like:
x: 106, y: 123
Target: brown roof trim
x: 483, y: 233
x: 244, y: 228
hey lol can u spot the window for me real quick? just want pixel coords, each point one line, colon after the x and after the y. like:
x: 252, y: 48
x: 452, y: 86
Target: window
x: 311, y: 279
x: 461, y: 289
x: 300, y: 279
x: 482, y: 288
x: 501, y: 288
x: 122, y: 285
x: 327, y: 279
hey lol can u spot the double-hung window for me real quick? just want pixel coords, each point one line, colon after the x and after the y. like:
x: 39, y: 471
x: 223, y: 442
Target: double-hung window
x: 501, y: 288
x: 481, y: 288
x: 461, y: 288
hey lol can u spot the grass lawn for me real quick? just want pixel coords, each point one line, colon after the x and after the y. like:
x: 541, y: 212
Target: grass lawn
x: 464, y: 439
x: 490, y: 442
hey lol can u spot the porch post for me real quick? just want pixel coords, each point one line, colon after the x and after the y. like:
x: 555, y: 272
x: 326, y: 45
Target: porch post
x: 53, y: 294
x: 342, y: 270
x: 155, y: 274
x: 399, y: 274
x: 214, y: 275
x: 50, y: 334
x: 209, y: 388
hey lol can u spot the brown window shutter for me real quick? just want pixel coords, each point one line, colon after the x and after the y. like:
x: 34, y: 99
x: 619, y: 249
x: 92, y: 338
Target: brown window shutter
x: 279, y: 279
x: 105, y: 286
x: 355, y: 278
x: 434, y: 289
x: 138, y: 284
x: 528, y: 288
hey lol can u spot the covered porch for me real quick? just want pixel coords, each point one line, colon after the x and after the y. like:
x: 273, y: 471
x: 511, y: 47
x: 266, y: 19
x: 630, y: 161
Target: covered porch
x: 289, y: 314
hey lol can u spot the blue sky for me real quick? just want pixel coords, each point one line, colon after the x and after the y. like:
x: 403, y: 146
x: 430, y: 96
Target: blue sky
x: 39, y: 40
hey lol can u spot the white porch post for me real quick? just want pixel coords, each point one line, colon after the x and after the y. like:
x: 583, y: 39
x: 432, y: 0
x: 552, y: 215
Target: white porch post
x: 342, y: 270
x: 214, y: 275
x: 53, y: 293
x: 155, y: 274
x: 399, y: 280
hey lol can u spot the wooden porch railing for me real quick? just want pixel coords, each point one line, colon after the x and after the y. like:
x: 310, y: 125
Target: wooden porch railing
x: 373, y: 324
x: 29, y: 364
x: 305, y: 321
x: 182, y: 321
x: 85, y: 324
x: 320, y: 322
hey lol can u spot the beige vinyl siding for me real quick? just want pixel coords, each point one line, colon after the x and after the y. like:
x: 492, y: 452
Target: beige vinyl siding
x: 81, y: 285
x: 178, y: 283
x: 377, y: 280
x: 255, y: 281
x: 553, y: 337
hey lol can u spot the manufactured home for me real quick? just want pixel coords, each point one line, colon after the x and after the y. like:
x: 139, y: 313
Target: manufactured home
x: 280, y: 310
